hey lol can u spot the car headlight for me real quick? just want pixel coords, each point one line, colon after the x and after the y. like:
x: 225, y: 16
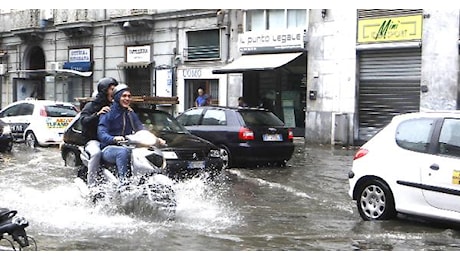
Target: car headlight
x: 6, y: 130
x: 170, y: 155
x: 214, y: 153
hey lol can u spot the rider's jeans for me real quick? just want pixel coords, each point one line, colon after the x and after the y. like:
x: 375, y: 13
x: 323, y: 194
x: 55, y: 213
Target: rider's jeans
x: 119, y: 155
x: 94, y: 150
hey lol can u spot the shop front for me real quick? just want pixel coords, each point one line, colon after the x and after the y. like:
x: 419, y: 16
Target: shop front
x: 390, y: 66
x: 273, y: 64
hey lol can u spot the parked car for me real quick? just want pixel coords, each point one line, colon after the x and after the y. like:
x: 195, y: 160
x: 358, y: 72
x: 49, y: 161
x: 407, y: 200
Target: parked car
x: 412, y: 167
x: 186, y: 155
x: 6, y: 138
x: 244, y: 135
x: 38, y: 122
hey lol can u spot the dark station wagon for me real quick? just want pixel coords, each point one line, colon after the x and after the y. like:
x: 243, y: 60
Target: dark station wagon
x: 246, y: 136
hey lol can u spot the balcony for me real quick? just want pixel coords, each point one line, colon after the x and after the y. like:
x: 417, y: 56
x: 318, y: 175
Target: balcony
x: 75, y: 22
x: 27, y: 25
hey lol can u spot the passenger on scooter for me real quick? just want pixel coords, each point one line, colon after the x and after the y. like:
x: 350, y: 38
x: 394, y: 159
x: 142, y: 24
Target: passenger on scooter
x: 90, y: 118
x: 114, y: 126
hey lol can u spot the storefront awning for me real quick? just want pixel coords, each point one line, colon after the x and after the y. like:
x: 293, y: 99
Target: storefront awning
x: 58, y: 72
x: 257, y: 62
x: 133, y: 65
x: 78, y: 66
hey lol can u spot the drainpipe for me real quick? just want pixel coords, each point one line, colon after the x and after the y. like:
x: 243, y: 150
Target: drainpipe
x: 104, y: 43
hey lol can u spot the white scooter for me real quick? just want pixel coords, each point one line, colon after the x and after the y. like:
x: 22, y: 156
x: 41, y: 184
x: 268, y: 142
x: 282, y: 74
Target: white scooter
x: 147, y: 182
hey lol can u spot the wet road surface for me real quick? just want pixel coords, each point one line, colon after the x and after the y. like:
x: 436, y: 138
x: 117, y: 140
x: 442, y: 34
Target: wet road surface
x: 301, y: 207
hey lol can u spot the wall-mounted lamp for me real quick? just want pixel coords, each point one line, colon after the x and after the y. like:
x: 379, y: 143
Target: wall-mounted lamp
x: 323, y: 13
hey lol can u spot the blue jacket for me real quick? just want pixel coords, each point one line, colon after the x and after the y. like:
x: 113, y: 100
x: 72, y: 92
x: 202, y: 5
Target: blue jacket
x: 118, y: 122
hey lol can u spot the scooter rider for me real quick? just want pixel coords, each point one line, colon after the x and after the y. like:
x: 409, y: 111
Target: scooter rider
x: 90, y: 118
x: 114, y: 126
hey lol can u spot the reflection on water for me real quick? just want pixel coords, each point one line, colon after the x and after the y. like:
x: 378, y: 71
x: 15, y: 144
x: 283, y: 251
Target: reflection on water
x: 301, y: 207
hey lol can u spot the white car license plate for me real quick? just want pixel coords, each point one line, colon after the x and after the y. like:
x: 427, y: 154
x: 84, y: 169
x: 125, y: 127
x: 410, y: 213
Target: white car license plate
x: 272, y: 137
x: 196, y: 165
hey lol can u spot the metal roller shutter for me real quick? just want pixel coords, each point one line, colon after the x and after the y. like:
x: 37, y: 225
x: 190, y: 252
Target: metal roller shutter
x: 389, y: 84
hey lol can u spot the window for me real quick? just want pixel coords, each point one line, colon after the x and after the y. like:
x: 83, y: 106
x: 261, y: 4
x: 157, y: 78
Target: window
x: 203, y: 45
x: 415, y: 134
x: 214, y: 117
x: 260, y: 118
x: 192, y: 117
x: 12, y: 111
x: 449, y: 139
x: 260, y: 20
x: 60, y: 111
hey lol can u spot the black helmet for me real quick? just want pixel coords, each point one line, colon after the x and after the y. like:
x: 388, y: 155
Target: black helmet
x: 105, y: 83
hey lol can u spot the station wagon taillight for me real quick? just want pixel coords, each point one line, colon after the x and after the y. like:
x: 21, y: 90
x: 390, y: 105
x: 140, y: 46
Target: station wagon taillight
x: 360, y: 153
x: 245, y: 134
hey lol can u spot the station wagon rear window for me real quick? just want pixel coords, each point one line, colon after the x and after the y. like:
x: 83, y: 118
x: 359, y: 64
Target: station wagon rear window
x: 260, y: 118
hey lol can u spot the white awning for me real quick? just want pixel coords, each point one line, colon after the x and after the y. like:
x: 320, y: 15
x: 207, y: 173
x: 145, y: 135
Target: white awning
x: 57, y: 72
x: 258, y: 62
x: 133, y: 65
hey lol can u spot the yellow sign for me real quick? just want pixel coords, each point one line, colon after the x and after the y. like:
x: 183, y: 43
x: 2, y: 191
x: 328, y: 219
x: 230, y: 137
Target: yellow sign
x: 390, y: 29
x: 456, y: 177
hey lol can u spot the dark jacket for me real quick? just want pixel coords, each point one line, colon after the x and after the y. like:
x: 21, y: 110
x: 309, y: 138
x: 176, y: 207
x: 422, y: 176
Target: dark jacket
x: 89, y: 117
x: 118, y: 122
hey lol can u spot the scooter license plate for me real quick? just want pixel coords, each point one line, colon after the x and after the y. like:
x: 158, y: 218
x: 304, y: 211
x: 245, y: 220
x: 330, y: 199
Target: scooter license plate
x: 196, y: 165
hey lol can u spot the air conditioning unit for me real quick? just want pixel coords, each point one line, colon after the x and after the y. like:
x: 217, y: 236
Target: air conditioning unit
x: 3, y: 69
x: 54, y: 65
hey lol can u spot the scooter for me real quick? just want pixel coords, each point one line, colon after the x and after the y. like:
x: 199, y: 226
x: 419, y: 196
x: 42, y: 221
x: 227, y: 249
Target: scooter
x: 147, y: 180
x: 14, y: 226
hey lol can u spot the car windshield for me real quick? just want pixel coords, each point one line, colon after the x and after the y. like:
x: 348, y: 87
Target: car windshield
x: 158, y: 122
x: 260, y: 118
x: 60, y: 111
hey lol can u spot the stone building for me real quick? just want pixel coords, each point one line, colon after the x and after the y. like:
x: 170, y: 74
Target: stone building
x: 334, y: 75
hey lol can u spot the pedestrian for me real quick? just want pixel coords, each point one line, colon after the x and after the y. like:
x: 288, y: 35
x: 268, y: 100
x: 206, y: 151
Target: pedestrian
x: 89, y: 119
x: 202, y: 99
x: 241, y: 102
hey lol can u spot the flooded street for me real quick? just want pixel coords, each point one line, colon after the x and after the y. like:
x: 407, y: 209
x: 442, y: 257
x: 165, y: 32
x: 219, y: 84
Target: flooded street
x: 302, y: 207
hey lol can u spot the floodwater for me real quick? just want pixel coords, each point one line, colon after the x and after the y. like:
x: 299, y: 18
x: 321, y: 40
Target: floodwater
x: 301, y: 207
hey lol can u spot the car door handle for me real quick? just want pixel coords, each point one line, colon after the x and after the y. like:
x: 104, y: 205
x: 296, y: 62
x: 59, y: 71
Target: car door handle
x: 434, y: 166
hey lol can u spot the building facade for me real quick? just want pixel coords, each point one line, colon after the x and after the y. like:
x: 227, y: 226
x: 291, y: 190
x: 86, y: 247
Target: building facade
x: 335, y: 76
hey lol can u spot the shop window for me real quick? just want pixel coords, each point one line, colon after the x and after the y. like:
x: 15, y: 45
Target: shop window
x: 260, y: 20
x: 203, y: 45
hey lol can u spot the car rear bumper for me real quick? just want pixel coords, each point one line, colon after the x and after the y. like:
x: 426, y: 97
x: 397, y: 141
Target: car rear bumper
x: 265, y: 152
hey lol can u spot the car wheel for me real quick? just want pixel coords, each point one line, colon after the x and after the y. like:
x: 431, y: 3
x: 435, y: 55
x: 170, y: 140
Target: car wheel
x: 225, y: 155
x: 375, y: 201
x: 31, y: 140
x: 71, y: 159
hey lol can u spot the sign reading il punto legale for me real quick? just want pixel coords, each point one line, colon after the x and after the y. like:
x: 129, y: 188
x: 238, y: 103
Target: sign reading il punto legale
x: 390, y: 29
x: 269, y: 40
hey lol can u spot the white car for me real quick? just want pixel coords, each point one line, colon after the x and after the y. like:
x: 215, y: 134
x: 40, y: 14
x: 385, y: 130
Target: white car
x: 38, y: 122
x: 412, y: 167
